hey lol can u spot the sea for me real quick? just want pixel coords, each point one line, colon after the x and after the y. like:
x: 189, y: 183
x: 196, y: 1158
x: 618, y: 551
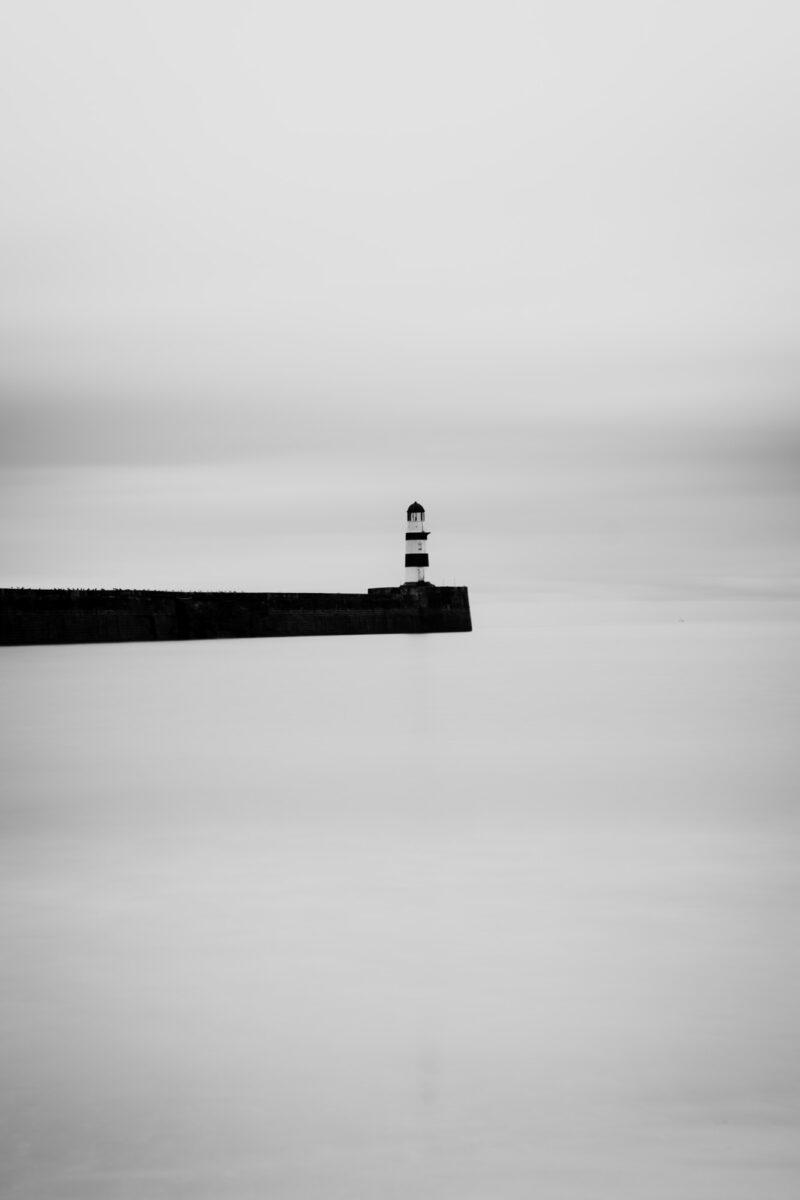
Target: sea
x: 484, y: 916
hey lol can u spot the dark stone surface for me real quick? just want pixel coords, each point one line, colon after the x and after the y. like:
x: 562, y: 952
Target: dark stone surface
x: 46, y: 616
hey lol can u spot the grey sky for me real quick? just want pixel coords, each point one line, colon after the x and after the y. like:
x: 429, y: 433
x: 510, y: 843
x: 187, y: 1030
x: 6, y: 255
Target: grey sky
x: 270, y: 270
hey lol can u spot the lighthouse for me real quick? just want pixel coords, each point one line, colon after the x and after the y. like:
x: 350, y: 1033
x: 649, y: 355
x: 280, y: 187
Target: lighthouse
x: 416, y: 545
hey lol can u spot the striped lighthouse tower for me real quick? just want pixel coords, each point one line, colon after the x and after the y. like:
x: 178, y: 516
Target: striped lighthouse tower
x: 416, y: 545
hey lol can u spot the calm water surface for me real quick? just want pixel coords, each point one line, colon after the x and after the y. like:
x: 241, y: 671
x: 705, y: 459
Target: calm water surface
x: 498, y: 915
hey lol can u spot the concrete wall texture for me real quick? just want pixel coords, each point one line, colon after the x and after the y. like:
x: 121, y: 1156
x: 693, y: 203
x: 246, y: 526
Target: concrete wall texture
x: 45, y: 616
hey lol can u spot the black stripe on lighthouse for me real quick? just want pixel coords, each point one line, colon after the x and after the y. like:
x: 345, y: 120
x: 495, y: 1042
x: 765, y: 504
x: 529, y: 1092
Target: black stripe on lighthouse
x: 416, y: 560
x: 417, y: 537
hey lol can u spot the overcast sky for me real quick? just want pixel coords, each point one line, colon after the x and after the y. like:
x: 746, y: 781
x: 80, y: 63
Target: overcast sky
x: 271, y: 271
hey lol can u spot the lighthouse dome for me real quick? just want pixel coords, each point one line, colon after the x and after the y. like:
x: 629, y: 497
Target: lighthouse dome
x: 416, y: 507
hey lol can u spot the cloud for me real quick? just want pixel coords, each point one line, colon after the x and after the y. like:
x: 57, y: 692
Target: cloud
x: 537, y: 264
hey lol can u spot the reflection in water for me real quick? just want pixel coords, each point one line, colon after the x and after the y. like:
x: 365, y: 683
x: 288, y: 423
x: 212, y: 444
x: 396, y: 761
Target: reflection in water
x: 497, y: 914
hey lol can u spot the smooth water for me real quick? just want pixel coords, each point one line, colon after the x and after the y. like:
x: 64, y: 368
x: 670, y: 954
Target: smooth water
x: 491, y: 915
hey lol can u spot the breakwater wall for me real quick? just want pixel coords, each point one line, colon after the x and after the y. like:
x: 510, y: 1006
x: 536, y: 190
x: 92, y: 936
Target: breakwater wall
x: 43, y: 616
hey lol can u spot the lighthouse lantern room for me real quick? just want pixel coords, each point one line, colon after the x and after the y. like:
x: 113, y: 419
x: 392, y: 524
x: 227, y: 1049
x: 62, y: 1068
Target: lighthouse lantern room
x: 416, y: 545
